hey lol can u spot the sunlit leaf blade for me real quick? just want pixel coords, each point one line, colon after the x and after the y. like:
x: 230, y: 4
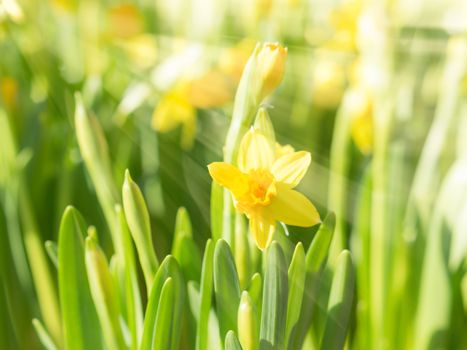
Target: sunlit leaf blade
x: 80, y: 323
x: 206, y: 296
x: 297, y: 276
x: 43, y: 335
x: 184, y: 247
x: 52, y: 252
x: 255, y: 289
x: 275, y: 291
x: 168, y: 268
x: 137, y: 216
x: 94, y: 150
x: 340, y: 303
x: 226, y: 288
x: 315, y: 260
x: 163, y: 325
x: 231, y: 342
x: 132, y: 303
x: 103, y: 292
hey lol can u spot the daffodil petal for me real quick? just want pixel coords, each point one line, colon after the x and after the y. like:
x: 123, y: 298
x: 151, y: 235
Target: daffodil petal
x: 229, y: 176
x: 262, y: 231
x: 291, y: 167
x: 292, y: 208
x: 255, y: 152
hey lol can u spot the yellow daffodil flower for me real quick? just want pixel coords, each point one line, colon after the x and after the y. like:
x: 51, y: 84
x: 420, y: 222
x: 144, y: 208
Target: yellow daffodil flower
x: 262, y: 186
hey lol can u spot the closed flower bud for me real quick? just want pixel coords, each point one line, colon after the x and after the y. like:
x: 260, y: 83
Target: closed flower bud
x: 271, y: 65
x: 247, y: 323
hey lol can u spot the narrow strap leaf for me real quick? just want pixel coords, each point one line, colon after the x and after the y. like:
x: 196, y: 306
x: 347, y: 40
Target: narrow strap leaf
x: 297, y: 276
x: 340, y: 304
x: 315, y: 260
x: 206, y: 296
x: 226, y: 288
x: 80, y: 324
x: 274, y: 310
x: 231, y: 342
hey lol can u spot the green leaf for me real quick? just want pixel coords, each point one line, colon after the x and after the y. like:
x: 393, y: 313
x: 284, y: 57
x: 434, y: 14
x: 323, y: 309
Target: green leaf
x: 255, y: 289
x: 217, y: 208
x: 163, y: 324
x: 231, y: 342
x: 206, y: 296
x: 340, y: 303
x: 315, y: 261
x: 103, y: 292
x: 185, y: 249
x: 274, y: 310
x: 52, y: 251
x: 95, y: 152
x: 137, y: 216
x: 168, y: 268
x: 44, y: 336
x: 80, y: 324
x: 226, y: 288
x: 134, y: 311
x: 242, y: 250
x: 297, y: 276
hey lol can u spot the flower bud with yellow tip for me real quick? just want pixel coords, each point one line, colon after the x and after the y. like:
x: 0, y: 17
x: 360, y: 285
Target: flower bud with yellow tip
x: 271, y: 66
x: 247, y: 323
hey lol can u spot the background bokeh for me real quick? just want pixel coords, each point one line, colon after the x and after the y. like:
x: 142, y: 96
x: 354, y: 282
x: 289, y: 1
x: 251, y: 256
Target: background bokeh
x: 375, y: 90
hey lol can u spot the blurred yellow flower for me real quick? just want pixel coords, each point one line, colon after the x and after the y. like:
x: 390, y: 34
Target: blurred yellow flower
x: 8, y: 91
x: 345, y: 22
x: 360, y: 109
x: 328, y: 83
x: 178, y: 106
x: 262, y: 187
x: 233, y: 59
x: 125, y: 21
x: 173, y: 110
x: 213, y: 89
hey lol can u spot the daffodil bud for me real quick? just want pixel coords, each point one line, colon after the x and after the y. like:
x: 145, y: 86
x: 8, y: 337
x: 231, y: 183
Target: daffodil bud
x: 137, y: 216
x: 247, y: 323
x: 264, y: 125
x: 271, y: 66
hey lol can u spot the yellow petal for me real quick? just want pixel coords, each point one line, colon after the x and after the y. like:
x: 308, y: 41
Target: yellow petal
x: 291, y: 168
x: 283, y: 150
x: 229, y: 176
x: 262, y: 231
x: 292, y: 208
x: 255, y: 152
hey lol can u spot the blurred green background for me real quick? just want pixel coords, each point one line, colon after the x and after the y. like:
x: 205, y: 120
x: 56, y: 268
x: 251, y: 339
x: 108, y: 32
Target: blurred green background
x: 375, y: 90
